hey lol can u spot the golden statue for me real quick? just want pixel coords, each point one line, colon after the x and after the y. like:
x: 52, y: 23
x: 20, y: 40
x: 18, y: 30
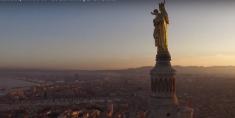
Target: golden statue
x: 161, y: 22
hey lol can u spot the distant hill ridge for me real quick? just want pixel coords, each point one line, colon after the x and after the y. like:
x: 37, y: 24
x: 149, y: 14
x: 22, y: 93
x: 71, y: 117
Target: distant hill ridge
x: 215, y: 70
x: 224, y: 70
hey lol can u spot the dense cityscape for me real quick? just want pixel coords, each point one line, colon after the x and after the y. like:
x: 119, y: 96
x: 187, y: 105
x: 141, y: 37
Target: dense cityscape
x: 116, y: 94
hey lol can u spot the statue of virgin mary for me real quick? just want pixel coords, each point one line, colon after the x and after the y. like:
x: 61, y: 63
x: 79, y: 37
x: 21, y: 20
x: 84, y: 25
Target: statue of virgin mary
x: 161, y: 22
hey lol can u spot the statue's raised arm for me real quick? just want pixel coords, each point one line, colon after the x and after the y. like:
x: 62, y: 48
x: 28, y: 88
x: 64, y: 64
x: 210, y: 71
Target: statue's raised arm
x: 164, y: 12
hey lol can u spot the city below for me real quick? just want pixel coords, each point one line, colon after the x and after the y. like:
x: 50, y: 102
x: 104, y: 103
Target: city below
x: 111, y: 93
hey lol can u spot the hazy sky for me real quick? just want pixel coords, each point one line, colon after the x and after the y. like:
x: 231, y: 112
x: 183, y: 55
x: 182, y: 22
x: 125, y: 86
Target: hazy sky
x: 114, y: 35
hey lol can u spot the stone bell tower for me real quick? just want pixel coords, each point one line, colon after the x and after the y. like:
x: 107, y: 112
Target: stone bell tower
x: 164, y: 102
x: 163, y: 80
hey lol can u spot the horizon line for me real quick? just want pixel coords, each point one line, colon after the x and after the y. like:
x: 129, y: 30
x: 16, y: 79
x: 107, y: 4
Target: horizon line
x: 56, y: 69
